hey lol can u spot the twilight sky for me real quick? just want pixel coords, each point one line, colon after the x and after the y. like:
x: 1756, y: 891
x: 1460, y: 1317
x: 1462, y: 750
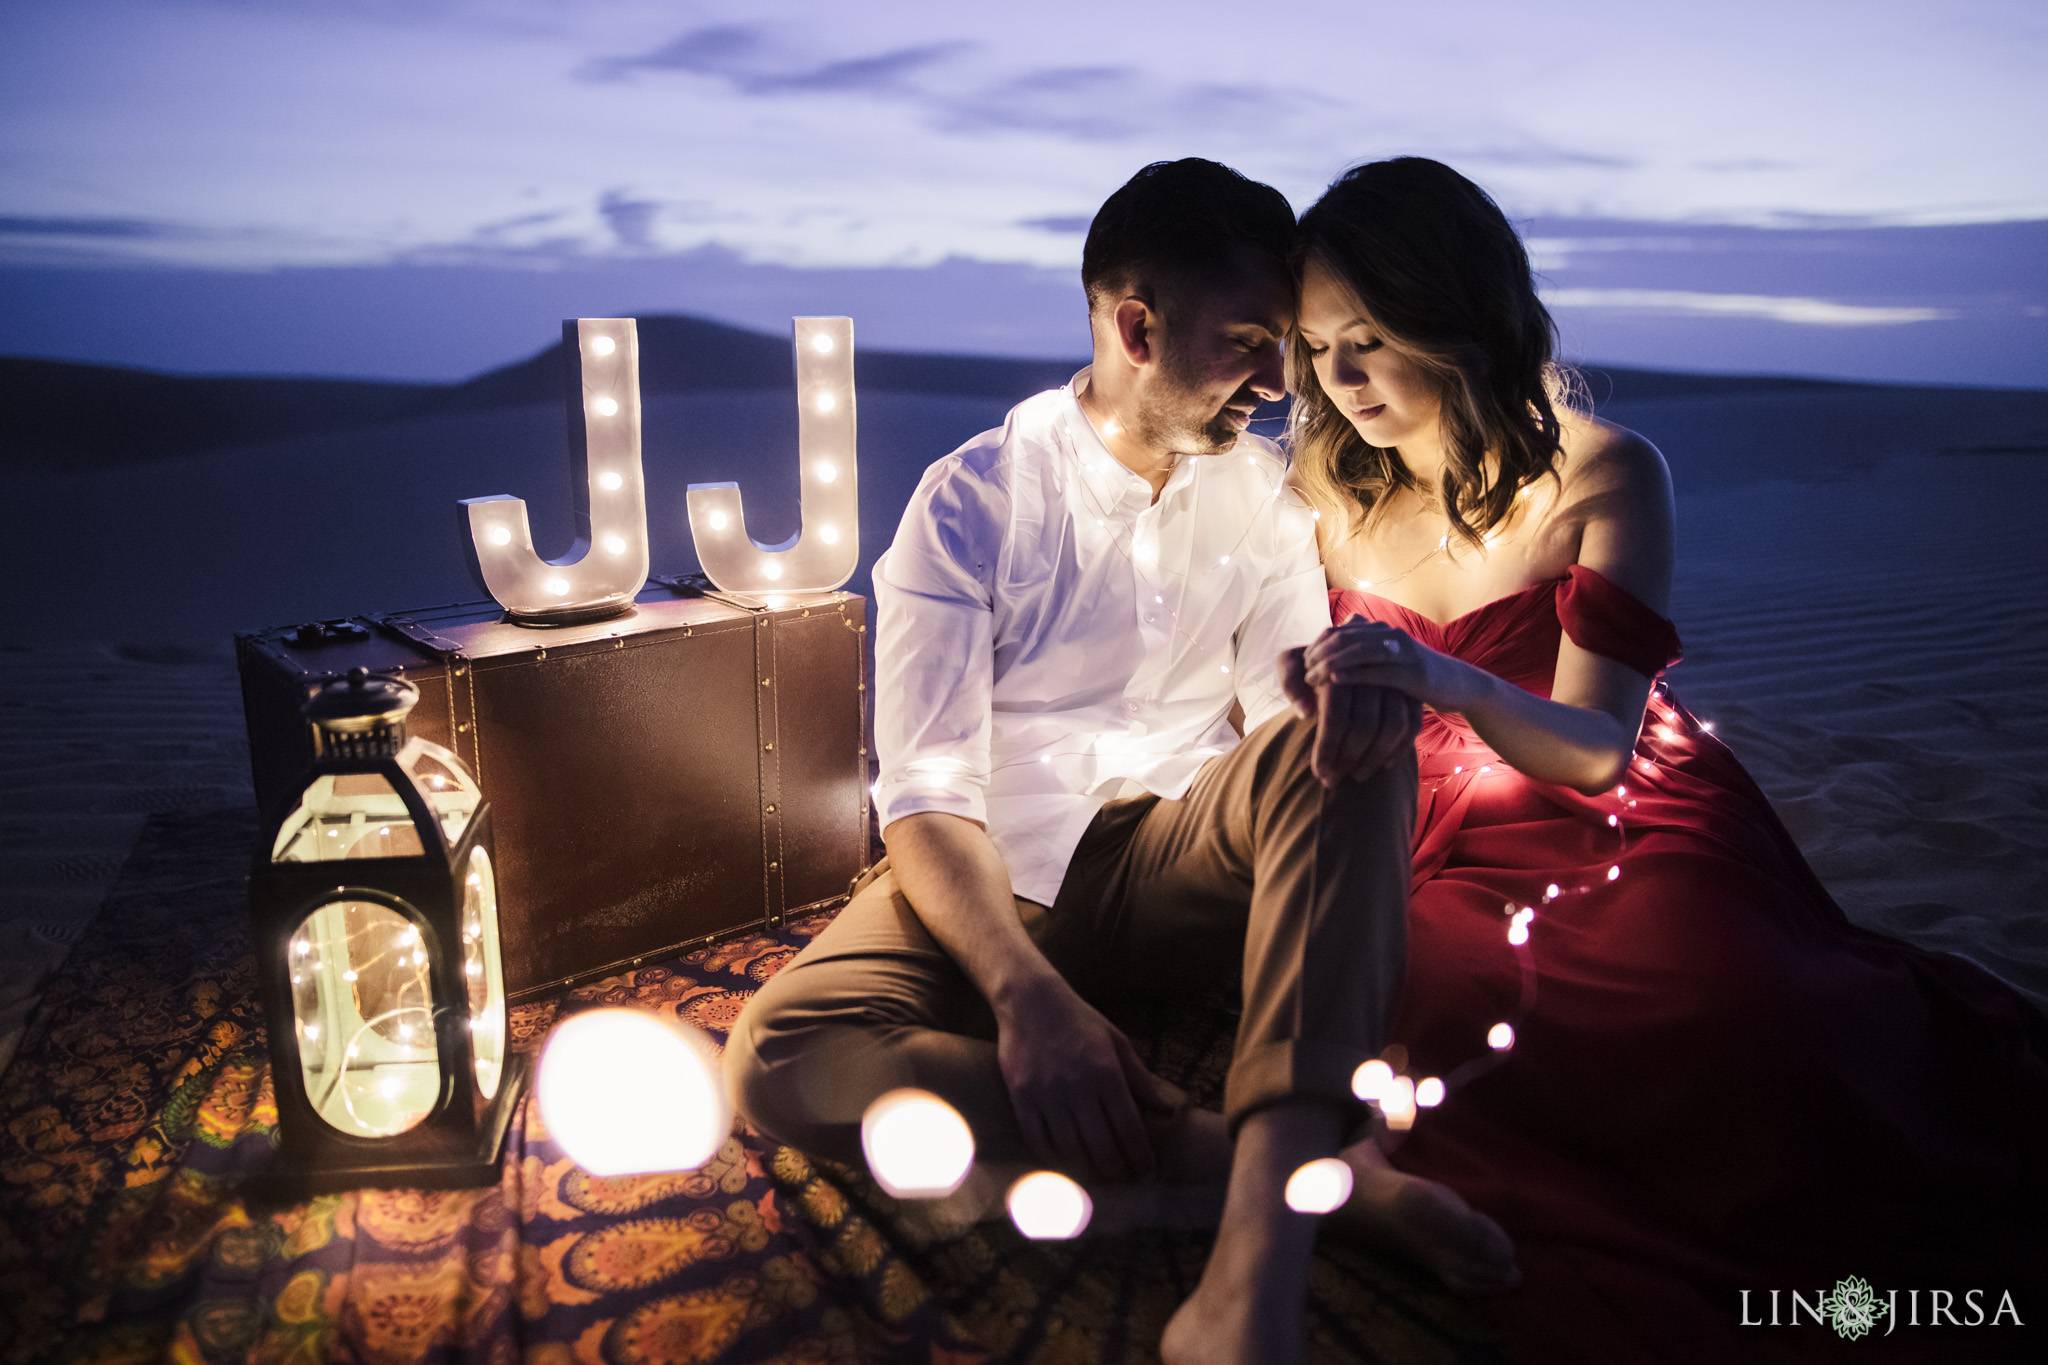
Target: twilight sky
x: 1850, y: 188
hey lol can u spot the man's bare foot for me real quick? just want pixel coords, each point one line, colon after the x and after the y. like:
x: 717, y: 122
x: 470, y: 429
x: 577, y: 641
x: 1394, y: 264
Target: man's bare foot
x: 1424, y: 1221
x: 1250, y: 1308
x: 1227, y: 1321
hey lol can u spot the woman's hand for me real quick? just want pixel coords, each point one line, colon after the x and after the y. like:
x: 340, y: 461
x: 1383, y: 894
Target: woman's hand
x: 1373, y: 652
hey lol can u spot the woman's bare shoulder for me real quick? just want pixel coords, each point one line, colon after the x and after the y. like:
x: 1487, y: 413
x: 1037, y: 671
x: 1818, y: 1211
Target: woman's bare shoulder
x: 1603, y: 459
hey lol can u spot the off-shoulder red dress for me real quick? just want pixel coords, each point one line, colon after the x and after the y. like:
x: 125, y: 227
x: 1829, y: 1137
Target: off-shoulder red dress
x: 1716, y: 1082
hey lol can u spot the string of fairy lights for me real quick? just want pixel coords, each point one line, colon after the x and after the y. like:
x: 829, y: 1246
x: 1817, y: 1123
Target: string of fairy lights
x: 918, y: 1146
x: 1384, y: 1081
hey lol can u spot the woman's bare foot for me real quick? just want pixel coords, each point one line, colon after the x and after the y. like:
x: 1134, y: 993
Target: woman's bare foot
x: 1424, y: 1221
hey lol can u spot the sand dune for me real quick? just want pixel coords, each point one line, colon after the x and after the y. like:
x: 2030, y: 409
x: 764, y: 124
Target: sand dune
x: 1865, y: 616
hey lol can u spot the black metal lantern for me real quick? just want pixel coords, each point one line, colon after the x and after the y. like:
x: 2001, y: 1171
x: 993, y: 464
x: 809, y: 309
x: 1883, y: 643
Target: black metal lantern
x: 383, y: 987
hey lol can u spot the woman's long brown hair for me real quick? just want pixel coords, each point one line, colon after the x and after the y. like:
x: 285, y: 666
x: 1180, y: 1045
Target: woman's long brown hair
x: 1441, y: 276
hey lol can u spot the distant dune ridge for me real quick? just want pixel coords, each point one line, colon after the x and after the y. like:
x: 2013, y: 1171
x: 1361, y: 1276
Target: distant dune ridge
x: 1860, y: 587
x: 62, y: 415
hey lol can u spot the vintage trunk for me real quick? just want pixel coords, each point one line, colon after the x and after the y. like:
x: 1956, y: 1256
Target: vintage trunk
x: 688, y: 772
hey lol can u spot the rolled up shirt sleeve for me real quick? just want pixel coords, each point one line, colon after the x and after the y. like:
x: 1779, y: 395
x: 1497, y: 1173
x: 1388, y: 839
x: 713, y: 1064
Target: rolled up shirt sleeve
x: 1292, y: 609
x: 934, y: 654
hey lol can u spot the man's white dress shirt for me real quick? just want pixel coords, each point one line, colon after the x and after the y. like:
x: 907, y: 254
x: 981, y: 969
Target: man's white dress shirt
x: 1050, y: 637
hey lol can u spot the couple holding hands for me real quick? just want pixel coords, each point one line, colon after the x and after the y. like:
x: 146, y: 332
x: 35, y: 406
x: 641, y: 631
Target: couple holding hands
x: 1158, y: 702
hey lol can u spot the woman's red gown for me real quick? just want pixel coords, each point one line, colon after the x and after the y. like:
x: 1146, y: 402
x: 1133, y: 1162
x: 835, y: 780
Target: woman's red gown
x: 1716, y: 1082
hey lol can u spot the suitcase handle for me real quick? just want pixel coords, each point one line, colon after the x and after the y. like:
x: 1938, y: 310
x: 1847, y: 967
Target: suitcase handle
x: 412, y: 632
x: 697, y: 585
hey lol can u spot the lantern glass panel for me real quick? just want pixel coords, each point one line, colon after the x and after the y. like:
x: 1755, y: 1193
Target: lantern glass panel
x: 450, y: 791
x: 361, y: 1007
x: 483, y: 970
x: 347, y: 815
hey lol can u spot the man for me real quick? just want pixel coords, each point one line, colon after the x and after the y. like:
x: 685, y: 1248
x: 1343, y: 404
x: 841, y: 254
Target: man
x: 1070, y: 608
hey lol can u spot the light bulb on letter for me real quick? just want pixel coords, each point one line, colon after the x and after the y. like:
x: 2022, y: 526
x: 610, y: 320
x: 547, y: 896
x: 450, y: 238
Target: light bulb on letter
x: 1048, y: 1207
x: 825, y: 552
x: 501, y: 535
x: 609, y: 482
x: 1320, y: 1186
x: 624, y: 1092
x: 917, y: 1145
x: 615, y: 544
x: 606, y: 407
x: 603, y: 345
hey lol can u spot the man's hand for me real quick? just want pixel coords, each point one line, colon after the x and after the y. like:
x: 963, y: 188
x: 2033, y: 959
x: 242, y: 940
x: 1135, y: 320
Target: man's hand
x: 1359, y: 727
x: 1076, y: 1083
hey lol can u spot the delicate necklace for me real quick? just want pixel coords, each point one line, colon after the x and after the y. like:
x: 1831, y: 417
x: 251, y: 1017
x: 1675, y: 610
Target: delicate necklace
x: 1442, y: 546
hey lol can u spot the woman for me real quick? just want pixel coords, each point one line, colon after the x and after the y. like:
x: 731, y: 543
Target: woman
x: 1709, y: 1081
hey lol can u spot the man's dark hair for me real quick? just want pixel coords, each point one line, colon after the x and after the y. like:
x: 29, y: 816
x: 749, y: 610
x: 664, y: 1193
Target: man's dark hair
x: 1182, y: 221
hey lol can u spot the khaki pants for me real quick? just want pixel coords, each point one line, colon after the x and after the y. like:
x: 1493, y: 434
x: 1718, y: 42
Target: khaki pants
x: 1259, y: 866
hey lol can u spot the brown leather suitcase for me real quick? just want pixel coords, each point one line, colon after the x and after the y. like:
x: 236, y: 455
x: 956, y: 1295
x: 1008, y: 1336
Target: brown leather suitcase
x: 689, y: 772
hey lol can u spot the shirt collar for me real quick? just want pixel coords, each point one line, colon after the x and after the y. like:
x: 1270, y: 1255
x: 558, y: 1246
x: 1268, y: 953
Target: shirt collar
x: 1108, y: 482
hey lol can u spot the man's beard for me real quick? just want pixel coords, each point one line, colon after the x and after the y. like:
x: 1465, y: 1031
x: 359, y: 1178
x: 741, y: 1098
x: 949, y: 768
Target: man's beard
x: 1183, y: 422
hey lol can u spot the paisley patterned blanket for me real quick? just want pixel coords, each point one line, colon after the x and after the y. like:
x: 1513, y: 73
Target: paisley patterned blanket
x: 140, y: 1100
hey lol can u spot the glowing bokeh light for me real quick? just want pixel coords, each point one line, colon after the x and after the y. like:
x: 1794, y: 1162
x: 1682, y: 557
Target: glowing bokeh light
x: 1397, y: 1104
x: 1321, y: 1186
x: 625, y: 1092
x: 917, y: 1145
x: 1429, y: 1092
x: 1048, y: 1207
x: 1501, y: 1037
x: 1369, y: 1082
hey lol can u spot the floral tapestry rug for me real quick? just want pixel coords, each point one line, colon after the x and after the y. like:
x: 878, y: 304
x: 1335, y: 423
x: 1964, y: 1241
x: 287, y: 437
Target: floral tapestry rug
x: 140, y: 1101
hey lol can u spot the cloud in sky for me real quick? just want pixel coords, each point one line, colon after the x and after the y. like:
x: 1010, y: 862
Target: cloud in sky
x: 742, y: 55
x: 1776, y: 308
x: 904, y: 132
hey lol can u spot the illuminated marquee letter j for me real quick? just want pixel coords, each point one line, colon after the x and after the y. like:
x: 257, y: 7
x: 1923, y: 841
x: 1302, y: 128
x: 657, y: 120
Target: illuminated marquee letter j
x: 826, y: 548
x: 607, y: 563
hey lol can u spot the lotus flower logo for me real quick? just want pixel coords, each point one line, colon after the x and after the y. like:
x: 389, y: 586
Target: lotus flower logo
x: 1852, y: 1308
